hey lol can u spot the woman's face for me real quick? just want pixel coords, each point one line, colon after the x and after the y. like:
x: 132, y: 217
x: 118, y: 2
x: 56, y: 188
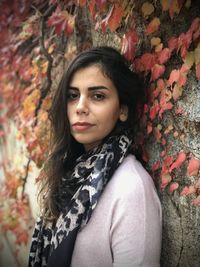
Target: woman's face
x: 93, y: 106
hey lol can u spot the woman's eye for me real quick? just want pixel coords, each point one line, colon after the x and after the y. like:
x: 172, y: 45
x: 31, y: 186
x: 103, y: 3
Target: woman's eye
x: 72, y: 96
x: 98, y: 96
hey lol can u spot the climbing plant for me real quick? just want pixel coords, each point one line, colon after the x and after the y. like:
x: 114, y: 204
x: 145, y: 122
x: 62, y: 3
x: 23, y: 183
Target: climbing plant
x: 38, y: 39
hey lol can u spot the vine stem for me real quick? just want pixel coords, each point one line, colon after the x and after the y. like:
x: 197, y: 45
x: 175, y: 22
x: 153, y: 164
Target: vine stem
x: 26, y: 176
x: 48, y: 82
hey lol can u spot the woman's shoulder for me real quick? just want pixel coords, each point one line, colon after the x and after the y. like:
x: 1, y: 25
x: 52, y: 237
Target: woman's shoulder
x: 131, y: 177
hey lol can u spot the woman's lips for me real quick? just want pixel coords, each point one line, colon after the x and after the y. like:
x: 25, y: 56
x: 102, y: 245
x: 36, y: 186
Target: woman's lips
x: 82, y: 126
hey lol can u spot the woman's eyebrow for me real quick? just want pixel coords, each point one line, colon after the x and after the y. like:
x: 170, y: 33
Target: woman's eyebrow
x: 90, y: 88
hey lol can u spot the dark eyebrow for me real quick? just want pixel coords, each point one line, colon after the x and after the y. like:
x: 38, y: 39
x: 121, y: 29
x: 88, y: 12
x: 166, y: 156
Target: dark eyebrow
x: 91, y: 88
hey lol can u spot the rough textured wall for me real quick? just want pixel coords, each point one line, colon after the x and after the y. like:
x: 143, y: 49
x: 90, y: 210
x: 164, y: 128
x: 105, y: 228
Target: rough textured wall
x: 181, y: 219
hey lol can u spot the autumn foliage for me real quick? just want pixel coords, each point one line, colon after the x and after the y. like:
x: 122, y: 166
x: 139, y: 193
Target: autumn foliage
x: 31, y: 37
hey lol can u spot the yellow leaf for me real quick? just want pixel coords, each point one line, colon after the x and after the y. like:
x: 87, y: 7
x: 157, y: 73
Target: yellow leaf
x: 177, y: 92
x: 147, y: 9
x: 43, y: 116
x: 51, y: 48
x: 188, y: 4
x: 155, y: 41
x: 189, y: 59
x: 30, y: 102
x: 159, y: 48
x: 44, y: 67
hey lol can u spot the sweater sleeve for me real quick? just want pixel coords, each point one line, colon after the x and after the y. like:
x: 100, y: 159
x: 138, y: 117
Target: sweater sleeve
x: 135, y: 233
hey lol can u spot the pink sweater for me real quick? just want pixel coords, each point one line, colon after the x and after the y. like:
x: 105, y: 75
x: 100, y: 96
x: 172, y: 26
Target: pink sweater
x: 125, y: 227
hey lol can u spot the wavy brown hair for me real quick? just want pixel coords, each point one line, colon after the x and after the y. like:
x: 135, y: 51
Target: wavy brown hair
x: 64, y: 149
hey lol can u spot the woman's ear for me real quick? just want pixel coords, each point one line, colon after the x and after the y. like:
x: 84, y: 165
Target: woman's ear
x: 123, y: 115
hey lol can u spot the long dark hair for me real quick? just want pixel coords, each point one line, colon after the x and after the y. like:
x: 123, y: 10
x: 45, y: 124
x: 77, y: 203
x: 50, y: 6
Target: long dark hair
x: 64, y: 149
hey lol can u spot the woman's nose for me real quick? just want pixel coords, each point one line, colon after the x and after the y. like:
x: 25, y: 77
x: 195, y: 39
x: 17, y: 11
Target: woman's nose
x: 82, y: 106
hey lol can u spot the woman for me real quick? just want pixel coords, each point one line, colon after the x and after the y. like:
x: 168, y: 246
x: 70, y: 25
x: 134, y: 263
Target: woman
x: 100, y: 205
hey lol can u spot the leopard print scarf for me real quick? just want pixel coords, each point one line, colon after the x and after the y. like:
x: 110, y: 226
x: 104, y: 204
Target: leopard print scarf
x: 53, y: 246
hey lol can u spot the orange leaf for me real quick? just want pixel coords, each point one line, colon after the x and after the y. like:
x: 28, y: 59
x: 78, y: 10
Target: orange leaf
x: 129, y: 43
x: 157, y: 71
x: 175, y: 7
x: 165, y: 5
x: 188, y: 190
x: 155, y: 41
x: 173, y: 187
x: 147, y: 9
x: 116, y: 17
x: 179, y: 161
x: 153, y: 26
x: 193, y: 166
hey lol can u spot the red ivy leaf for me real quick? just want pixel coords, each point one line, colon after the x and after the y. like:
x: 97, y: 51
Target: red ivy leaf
x: 113, y: 19
x: 91, y: 7
x: 100, y: 4
x: 164, y: 107
x: 154, y: 111
x: 164, y: 55
x: 187, y: 190
x: 62, y: 21
x: 82, y: 3
x: 197, y: 185
x: 174, y: 76
x: 173, y: 43
x: 166, y: 164
x: 193, y: 166
x: 149, y: 127
x: 184, y: 42
x: 116, y: 17
x: 197, y: 68
x: 157, y: 134
x: 196, y: 201
x: 148, y: 60
x: 178, y: 162
x: 173, y: 187
x: 129, y: 43
x: 153, y: 26
x: 156, y: 166
x: 157, y: 71
x: 195, y: 25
